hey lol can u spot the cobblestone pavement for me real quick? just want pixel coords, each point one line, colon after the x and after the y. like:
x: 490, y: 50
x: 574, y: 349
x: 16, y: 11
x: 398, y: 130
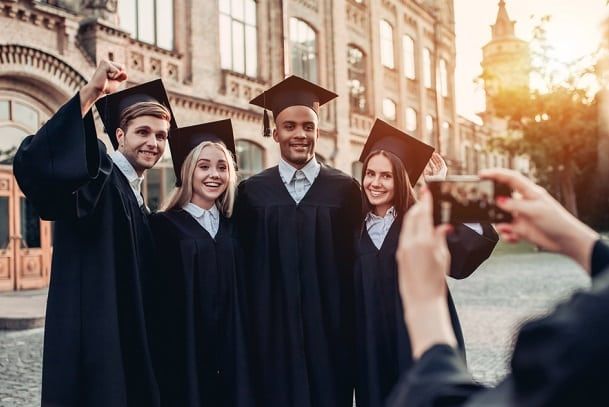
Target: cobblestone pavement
x: 492, y: 302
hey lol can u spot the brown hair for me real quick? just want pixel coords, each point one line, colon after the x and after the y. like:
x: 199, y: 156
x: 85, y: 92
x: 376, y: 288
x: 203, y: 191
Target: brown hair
x: 403, y: 197
x: 143, y: 109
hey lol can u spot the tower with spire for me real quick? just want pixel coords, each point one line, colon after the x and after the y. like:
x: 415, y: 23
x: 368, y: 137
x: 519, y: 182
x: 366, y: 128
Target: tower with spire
x: 506, y: 60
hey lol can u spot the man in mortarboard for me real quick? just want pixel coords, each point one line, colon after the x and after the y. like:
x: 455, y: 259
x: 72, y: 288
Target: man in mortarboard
x: 95, y: 347
x: 297, y: 223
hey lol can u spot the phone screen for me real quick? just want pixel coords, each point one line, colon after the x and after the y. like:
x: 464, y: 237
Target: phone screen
x: 468, y: 200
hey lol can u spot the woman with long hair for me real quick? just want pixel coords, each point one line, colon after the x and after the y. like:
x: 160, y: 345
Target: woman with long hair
x: 197, y: 338
x: 392, y: 162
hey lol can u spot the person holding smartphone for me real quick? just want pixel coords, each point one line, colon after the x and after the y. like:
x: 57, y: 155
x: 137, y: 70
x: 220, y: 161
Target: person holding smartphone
x: 393, y: 162
x: 558, y: 359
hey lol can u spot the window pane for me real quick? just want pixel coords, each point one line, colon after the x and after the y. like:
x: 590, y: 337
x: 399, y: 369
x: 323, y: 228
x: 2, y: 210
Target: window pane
x: 126, y: 15
x: 250, y: 12
x: 386, y: 32
x: 238, y: 47
x: 224, y: 6
x: 30, y: 224
x: 409, y: 63
x: 4, y: 110
x: 251, y: 49
x: 411, y: 119
x: 389, y: 109
x: 153, y: 184
x: 237, y: 9
x: 226, y: 57
x: 427, y: 68
x: 249, y: 157
x: 25, y: 115
x: 164, y: 24
x: 4, y: 222
x: 11, y: 137
x: 145, y: 28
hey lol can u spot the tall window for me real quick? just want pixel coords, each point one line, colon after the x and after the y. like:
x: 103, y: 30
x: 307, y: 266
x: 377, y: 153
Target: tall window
x: 149, y: 21
x: 357, y: 79
x: 303, y: 45
x: 239, y: 36
x: 159, y: 183
x: 249, y: 157
x: 409, y: 62
x: 429, y: 129
x: 386, y: 34
x: 443, y: 78
x: 411, y: 119
x: 389, y: 110
x: 427, y: 68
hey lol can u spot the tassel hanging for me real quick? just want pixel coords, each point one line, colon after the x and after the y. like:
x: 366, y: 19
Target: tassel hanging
x: 266, y: 122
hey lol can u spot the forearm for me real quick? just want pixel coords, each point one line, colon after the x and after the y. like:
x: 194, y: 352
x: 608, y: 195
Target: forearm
x: 428, y: 323
x: 88, y: 96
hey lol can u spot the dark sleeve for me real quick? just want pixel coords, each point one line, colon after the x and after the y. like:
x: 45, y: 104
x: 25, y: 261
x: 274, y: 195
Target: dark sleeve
x: 468, y: 249
x: 558, y: 360
x: 355, y: 207
x: 600, y: 257
x: 439, y: 378
x: 63, y: 167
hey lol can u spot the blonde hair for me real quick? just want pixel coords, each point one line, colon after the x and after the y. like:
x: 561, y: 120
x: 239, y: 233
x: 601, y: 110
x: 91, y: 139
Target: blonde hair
x: 182, y: 195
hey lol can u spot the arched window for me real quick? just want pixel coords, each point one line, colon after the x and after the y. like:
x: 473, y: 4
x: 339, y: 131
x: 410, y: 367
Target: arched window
x: 149, y: 21
x: 250, y: 158
x: 303, y: 46
x: 389, y: 109
x: 429, y: 129
x: 411, y: 119
x: 357, y: 79
x: 409, y: 58
x: 445, y: 138
x: 18, y: 119
x: 238, y: 36
x: 386, y: 35
x: 443, y: 78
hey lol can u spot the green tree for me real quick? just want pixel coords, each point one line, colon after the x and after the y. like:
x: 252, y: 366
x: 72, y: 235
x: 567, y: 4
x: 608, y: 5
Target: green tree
x: 555, y: 124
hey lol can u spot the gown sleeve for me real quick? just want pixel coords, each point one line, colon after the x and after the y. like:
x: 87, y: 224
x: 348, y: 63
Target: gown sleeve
x: 557, y: 360
x: 63, y: 168
x: 468, y: 249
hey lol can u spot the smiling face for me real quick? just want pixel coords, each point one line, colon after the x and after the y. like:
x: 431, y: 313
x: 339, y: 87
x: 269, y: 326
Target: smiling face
x: 210, y: 177
x: 379, y: 184
x: 296, y: 133
x: 143, y: 141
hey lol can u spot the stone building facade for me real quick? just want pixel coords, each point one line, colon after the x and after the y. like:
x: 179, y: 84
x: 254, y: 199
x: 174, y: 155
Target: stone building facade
x: 392, y: 59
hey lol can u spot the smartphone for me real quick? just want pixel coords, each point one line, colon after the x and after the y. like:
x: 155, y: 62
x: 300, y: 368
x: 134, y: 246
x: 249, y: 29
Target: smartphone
x: 468, y: 199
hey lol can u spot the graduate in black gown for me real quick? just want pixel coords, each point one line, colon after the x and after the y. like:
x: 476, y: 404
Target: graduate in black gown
x: 558, y: 360
x: 297, y: 223
x: 95, y: 347
x: 391, y: 160
x: 196, y: 336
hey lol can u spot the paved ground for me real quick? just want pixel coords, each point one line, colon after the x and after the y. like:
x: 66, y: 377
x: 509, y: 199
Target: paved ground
x: 511, y: 286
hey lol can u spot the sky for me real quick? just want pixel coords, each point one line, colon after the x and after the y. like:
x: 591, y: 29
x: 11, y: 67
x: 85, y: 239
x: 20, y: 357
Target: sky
x: 573, y: 31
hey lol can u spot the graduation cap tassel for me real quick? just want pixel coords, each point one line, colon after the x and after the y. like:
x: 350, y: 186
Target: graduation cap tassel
x: 266, y: 122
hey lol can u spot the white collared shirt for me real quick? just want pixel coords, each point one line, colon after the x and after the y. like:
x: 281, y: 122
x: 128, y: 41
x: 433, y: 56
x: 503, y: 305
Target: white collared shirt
x: 378, y: 227
x: 298, y: 182
x: 209, y: 219
x: 128, y: 171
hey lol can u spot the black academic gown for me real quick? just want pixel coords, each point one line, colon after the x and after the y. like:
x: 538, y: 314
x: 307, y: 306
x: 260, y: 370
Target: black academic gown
x: 197, y: 340
x: 558, y: 360
x: 299, y: 287
x: 95, y: 347
x: 383, y: 345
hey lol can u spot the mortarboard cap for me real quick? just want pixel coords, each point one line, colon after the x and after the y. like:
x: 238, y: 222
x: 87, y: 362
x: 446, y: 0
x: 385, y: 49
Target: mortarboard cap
x: 413, y: 153
x: 292, y: 91
x: 111, y: 106
x: 183, y: 140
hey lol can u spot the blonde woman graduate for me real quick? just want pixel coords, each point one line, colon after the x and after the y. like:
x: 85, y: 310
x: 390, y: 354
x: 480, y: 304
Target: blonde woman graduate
x: 393, y: 162
x: 196, y: 336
